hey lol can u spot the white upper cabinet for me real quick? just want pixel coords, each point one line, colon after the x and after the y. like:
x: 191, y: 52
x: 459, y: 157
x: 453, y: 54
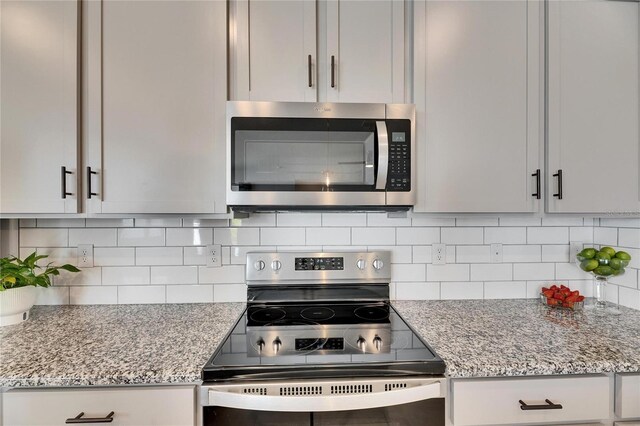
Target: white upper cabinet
x: 478, y: 83
x: 593, y: 106
x: 155, y: 96
x: 365, y: 51
x: 326, y: 50
x: 39, y: 107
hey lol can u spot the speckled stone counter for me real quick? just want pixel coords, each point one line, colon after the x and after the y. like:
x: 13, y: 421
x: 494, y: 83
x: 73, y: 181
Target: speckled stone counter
x: 521, y: 337
x: 113, y: 344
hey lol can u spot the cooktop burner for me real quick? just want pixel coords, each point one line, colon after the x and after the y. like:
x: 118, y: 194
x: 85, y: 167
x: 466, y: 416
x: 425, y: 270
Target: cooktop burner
x: 264, y: 315
x: 371, y: 313
x: 318, y: 313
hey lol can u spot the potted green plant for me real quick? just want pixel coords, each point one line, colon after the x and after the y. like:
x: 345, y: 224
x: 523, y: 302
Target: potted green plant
x: 18, y: 282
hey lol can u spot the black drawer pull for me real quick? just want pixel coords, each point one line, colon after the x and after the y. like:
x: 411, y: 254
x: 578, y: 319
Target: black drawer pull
x: 559, y: 176
x: 537, y: 176
x: 79, y: 419
x: 89, y: 173
x: 548, y: 406
x: 64, y: 173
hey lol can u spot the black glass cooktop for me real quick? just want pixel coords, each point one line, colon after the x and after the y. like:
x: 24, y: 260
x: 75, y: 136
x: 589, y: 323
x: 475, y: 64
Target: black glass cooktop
x: 321, y: 341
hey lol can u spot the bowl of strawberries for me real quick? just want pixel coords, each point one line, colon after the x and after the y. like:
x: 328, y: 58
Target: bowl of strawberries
x: 562, y: 297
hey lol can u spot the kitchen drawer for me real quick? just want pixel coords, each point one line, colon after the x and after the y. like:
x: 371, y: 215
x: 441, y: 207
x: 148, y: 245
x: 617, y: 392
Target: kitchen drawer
x: 627, y: 395
x: 140, y: 406
x: 495, y: 401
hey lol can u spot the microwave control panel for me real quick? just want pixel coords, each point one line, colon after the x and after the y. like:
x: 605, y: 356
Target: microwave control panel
x: 399, y: 177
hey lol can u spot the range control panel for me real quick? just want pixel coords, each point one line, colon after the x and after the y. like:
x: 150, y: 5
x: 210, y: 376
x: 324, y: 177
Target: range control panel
x: 319, y: 263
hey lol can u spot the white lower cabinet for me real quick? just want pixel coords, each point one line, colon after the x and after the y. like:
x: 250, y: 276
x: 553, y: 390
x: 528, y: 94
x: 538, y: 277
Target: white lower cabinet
x: 628, y: 396
x: 500, y: 401
x: 139, y: 406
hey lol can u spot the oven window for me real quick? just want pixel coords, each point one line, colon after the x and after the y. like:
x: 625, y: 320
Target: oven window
x: 276, y: 154
x: 430, y: 412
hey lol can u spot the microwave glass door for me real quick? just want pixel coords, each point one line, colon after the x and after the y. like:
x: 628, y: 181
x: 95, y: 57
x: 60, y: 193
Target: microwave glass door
x: 303, y: 154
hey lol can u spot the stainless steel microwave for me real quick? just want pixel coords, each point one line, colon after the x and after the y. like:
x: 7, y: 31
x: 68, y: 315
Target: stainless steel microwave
x: 299, y: 155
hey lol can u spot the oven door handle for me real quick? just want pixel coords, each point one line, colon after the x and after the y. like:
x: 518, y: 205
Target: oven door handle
x: 383, y: 154
x: 316, y: 403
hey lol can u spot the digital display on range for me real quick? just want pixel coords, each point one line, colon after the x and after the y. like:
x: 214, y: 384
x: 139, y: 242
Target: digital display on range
x: 331, y: 343
x: 319, y: 263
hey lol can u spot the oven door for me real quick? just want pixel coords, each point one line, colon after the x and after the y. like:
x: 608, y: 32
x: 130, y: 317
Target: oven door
x: 306, y: 161
x: 362, y: 402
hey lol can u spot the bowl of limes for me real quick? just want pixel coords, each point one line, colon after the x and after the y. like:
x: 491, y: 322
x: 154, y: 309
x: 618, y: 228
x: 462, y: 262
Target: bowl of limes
x: 603, y: 262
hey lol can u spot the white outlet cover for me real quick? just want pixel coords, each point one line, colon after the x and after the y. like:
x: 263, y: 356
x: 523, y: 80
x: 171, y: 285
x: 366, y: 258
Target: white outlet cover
x: 439, y: 254
x: 85, y: 256
x: 213, y: 256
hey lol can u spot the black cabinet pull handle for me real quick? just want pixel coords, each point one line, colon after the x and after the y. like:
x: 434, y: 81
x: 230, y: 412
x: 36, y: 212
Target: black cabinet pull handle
x: 548, y: 406
x: 89, y: 173
x: 79, y: 419
x: 537, y: 176
x: 310, y: 72
x: 559, y: 176
x: 333, y: 71
x: 64, y: 174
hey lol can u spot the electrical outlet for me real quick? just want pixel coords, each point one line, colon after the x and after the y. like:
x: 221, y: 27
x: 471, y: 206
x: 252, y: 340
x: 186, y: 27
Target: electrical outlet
x: 496, y: 253
x: 575, y: 247
x: 439, y: 254
x: 85, y: 255
x: 213, y: 254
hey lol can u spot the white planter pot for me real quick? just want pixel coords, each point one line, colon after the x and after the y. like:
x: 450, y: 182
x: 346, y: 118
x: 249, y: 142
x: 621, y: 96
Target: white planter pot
x: 15, y: 304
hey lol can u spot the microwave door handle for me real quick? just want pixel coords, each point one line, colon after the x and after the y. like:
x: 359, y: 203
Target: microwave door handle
x: 244, y: 401
x: 383, y: 154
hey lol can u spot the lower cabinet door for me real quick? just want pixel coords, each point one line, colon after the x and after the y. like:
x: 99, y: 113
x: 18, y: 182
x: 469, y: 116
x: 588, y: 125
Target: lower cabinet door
x: 628, y: 396
x: 530, y: 400
x: 139, y: 406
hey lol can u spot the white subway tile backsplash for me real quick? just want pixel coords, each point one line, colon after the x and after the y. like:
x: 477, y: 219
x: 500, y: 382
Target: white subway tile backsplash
x: 158, y: 256
x: 229, y: 293
x: 417, y: 236
x: 383, y: 219
x: 570, y: 271
x: 236, y: 236
x: 373, y: 236
x: 223, y: 275
x: 114, y: 256
x: 417, y: 291
x: 190, y: 236
x: 629, y: 297
x: 58, y: 255
x: 282, y: 236
x: 473, y: 254
x: 462, y: 235
x: 562, y: 221
x: 174, y: 275
x: 60, y: 223
x: 450, y: 272
x: 491, y: 272
x: 205, y: 223
x: 628, y: 279
x: 98, y: 295
x: 255, y: 220
x: 555, y: 253
x: 189, y: 293
x: 141, y: 294
x: 629, y: 237
x: 548, y: 235
x: 344, y: 219
x: 103, y: 237
x: 408, y: 272
x: 299, y: 219
x: 521, y: 253
x: 605, y: 236
x: 194, y: 256
x: 328, y: 236
x: 109, y: 223
x: 620, y: 222
x: 534, y: 271
x: 422, y: 254
x: 125, y: 275
x: 86, y: 277
x: 238, y: 255
x: 505, y: 290
x: 37, y: 237
x: 506, y: 235
x: 422, y: 219
x: 52, y: 296
x: 581, y: 234
x: 141, y: 237
x: 399, y: 254
x: 520, y: 221
x: 157, y: 223
x: 476, y: 221
x: 461, y: 290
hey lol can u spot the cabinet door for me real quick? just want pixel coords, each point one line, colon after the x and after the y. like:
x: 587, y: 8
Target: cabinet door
x: 273, y: 50
x: 593, y: 106
x: 38, y: 106
x: 478, y: 84
x: 365, y: 51
x: 160, y: 148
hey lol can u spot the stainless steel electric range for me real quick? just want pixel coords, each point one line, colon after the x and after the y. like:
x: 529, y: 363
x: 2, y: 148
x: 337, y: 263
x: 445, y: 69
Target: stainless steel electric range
x: 319, y: 343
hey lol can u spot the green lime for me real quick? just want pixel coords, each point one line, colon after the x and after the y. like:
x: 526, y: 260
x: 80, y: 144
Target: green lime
x: 617, y: 272
x: 588, y: 253
x: 589, y: 265
x: 602, y: 257
x: 603, y: 270
x: 610, y: 251
x: 616, y: 263
x: 623, y: 255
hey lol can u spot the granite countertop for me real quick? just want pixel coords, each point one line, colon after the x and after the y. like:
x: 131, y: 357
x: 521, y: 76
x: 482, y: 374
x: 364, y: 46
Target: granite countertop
x: 113, y: 344
x: 483, y: 338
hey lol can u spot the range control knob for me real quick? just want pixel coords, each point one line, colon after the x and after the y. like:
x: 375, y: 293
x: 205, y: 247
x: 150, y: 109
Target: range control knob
x: 260, y: 344
x: 259, y: 265
x: 362, y: 344
x: 361, y: 264
x: 276, y: 265
x: 377, y: 343
x: 378, y: 264
x: 277, y: 344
